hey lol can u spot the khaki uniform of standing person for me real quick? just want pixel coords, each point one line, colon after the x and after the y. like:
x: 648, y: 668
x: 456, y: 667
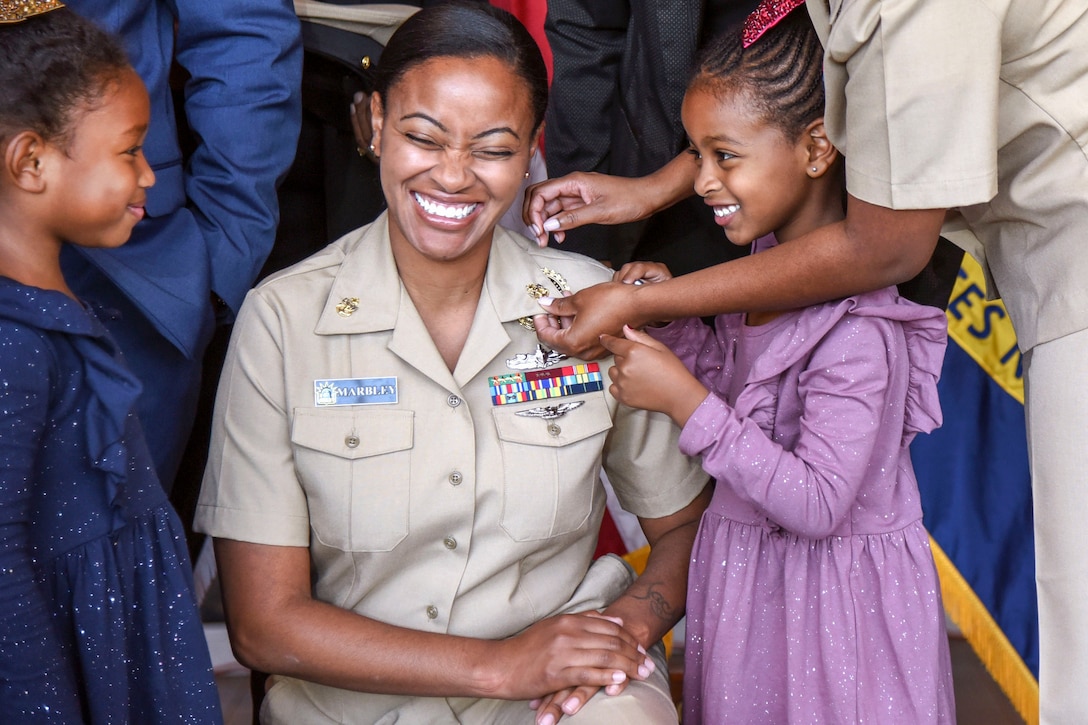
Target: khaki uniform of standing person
x: 982, y: 108
x: 423, y: 502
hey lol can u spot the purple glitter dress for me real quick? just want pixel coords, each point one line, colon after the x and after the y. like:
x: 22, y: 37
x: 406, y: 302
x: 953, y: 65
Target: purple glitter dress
x: 813, y: 596
x: 98, y: 623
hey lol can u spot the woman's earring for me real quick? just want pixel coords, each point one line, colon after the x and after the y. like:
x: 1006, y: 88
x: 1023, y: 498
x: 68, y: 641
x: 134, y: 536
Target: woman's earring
x: 814, y: 169
x: 526, y: 174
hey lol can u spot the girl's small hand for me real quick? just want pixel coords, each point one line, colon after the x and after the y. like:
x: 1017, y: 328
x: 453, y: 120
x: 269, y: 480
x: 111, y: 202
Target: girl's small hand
x: 647, y: 375
x: 642, y: 273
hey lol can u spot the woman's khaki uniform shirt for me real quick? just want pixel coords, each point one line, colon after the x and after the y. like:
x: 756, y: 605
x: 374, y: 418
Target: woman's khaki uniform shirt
x: 980, y: 106
x: 423, y: 503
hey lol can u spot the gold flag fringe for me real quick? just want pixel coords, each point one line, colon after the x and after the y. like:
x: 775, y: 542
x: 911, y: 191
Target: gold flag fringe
x: 986, y: 638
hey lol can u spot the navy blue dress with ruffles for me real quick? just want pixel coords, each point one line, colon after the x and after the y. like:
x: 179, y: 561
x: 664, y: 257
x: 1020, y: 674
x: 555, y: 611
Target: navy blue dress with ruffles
x: 98, y: 622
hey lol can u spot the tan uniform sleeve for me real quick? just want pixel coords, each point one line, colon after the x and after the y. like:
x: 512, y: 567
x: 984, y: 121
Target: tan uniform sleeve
x: 913, y: 98
x: 250, y: 491
x: 650, y: 475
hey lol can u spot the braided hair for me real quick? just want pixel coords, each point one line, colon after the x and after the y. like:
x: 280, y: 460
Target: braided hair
x: 53, y: 66
x: 781, y: 74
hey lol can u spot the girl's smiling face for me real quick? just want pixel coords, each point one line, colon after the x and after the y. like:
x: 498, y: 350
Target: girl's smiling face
x: 99, y: 177
x: 454, y: 136
x: 750, y: 173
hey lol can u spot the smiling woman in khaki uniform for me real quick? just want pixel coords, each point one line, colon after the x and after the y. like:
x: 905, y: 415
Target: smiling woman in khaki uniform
x: 405, y: 534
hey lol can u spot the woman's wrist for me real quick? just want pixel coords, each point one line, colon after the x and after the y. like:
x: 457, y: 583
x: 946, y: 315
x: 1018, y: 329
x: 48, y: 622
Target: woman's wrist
x: 671, y: 183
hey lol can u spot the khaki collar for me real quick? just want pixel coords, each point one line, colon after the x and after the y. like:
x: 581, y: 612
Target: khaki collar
x: 368, y: 282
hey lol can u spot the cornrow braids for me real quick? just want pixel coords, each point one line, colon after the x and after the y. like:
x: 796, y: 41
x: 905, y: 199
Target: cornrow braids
x: 781, y: 73
x: 51, y: 66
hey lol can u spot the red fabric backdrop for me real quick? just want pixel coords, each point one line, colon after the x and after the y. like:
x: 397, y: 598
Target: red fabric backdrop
x: 531, y: 14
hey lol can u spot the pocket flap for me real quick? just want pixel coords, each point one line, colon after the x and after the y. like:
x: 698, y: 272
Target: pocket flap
x: 353, y: 433
x: 588, y: 419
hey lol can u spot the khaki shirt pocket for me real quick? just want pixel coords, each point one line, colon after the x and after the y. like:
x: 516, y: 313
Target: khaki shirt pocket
x: 355, y: 467
x: 551, y: 468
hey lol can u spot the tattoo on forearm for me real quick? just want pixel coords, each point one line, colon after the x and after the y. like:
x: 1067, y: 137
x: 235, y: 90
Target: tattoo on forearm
x: 658, y: 603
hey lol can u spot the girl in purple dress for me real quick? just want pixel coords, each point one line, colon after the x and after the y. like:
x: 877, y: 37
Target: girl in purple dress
x: 813, y: 596
x: 98, y: 622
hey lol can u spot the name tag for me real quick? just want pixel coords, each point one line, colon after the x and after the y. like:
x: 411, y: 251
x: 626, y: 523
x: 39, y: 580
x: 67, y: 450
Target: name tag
x: 357, y: 391
x: 545, y: 384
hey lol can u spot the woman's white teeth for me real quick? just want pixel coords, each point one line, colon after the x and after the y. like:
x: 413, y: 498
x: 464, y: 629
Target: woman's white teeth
x: 459, y: 211
x: 726, y: 210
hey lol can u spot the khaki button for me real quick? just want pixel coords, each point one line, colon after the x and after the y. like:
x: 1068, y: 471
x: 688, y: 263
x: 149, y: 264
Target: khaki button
x: 432, y: 611
x: 351, y: 441
x: 456, y: 478
x: 554, y: 430
x: 450, y: 542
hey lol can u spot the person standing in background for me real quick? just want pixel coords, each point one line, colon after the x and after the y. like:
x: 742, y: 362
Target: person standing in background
x: 212, y: 215
x: 620, y: 68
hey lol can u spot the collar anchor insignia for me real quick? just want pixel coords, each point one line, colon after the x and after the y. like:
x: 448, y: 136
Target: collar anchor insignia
x: 347, y: 306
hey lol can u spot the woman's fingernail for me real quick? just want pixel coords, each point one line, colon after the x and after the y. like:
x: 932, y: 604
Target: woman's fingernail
x: 357, y: 97
x: 641, y: 649
x: 551, y: 225
x: 546, y: 301
x: 548, y: 719
x: 535, y: 230
x: 619, y: 676
x: 644, y: 671
x: 571, y: 706
x: 650, y: 664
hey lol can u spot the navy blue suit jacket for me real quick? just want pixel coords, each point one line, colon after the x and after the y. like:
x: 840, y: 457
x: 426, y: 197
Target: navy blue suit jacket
x: 211, y: 218
x: 210, y: 226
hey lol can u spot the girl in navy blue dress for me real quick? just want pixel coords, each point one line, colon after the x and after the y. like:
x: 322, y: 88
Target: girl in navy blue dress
x: 98, y: 622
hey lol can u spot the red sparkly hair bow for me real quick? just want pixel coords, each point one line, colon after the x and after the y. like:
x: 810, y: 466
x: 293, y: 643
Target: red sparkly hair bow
x: 764, y: 17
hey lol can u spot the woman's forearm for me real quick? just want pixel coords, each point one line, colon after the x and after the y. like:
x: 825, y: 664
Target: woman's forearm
x: 275, y: 627
x: 671, y: 183
x: 874, y: 249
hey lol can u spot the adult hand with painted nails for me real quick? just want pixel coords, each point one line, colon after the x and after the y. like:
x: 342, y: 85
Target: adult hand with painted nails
x: 575, y: 323
x: 570, y: 201
x: 580, y: 198
x: 569, y: 700
x: 554, y: 652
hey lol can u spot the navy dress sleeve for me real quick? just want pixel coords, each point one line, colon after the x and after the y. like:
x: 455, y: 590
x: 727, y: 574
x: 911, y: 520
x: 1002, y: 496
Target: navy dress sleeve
x: 37, y: 680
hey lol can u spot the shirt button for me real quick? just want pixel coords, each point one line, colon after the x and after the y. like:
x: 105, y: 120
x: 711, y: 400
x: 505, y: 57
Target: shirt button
x: 453, y: 401
x: 432, y: 611
x: 450, y: 542
x: 351, y: 441
x: 554, y: 430
x: 456, y: 478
